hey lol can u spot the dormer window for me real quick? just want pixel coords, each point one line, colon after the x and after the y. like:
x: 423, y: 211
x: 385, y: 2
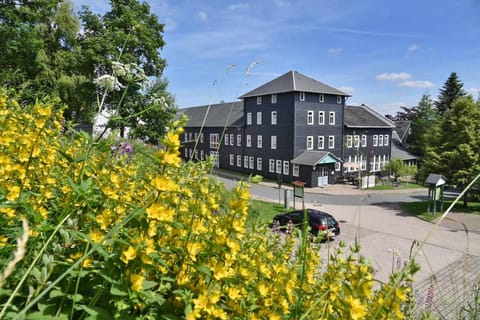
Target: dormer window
x: 339, y: 99
x: 302, y: 96
x: 259, y: 100
x: 321, y: 97
x: 274, y: 98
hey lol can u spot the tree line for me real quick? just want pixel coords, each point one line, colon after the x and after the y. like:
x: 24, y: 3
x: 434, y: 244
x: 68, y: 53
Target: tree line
x: 49, y: 50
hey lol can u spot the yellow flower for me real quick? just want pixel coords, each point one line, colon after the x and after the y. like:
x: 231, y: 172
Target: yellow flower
x: 128, y: 254
x: 13, y: 193
x: 357, y: 311
x: 137, y: 281
x: 3, y: 241
x: 158, y: 212
x: 87, y: 262
x: 164, y: 184
x: 400, y: 294
x: 263, y: 290
x: 96, y: 236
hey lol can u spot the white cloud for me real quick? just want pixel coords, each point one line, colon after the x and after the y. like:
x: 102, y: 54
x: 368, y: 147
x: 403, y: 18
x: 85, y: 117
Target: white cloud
x: 474, y: 92
x: 413, y: 48
x: 393, y: 76
x: 349, y: 90
x: 203, y: 16
x: 335, y: 51
x: 238, y: 6
x: 416, y: 84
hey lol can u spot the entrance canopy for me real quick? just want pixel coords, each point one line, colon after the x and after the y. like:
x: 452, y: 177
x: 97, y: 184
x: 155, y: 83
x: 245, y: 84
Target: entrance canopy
x: 312, y: 158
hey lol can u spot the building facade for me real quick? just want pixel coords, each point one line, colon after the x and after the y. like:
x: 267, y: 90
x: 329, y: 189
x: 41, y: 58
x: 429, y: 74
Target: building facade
x: 293, y: 128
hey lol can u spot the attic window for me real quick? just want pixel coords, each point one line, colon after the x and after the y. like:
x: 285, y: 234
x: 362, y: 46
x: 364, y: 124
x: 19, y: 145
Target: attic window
x: 302, y: 96
x: 259, y: 99
x: 321, y: 97
x: 274, y: 98
x: 339, y: 99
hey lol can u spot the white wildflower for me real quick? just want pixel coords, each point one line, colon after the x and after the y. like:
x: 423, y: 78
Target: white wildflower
x: 109, y: 82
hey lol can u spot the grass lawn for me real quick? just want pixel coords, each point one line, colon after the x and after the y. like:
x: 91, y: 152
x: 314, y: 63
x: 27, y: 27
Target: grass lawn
x: 264, y: 211
x: 420, y: 208
x: 403, y: 185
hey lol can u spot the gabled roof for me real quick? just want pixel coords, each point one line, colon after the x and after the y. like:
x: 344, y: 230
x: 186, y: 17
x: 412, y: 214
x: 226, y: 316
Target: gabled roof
x: 400, y: 153
x: 363, y: 116
x: 402, y: 127
x: 217, y: 115
x: 293, y: 81
x: 436, y: 179
x: 312, y: 158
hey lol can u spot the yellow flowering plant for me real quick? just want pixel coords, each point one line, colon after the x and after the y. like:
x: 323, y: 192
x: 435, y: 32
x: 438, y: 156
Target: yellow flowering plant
x: 143, y: 235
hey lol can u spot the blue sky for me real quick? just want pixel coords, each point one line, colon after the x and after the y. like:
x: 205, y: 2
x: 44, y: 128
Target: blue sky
x: 385, y: 54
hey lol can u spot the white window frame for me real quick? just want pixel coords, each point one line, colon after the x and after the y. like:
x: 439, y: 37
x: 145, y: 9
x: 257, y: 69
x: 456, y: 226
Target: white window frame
x: 214, y: 140
x: 226, y: 140
x: 232, y: 160
x: 273, y: 142
x: 185, y: 152
x: 380, y: 140
x: 216, y: 158
x: 302, y: 95
x: 239, y: 140
x: 337, y: 166
x: 274, y: 118
x: 251, y: 163
x: 321, y: 97
x: 232, y: 139
x: 245, y: 162
x: 364, y: 140
x: 271, y: 165
x: 239, y: 161
x: 310, y: 118
x: 286, y: 167
x: 339, y: 99
x: 321, y: 143
x: 202, y: 155
x: 201, y: 137
x: 385, y: 140
x: 331, y: 142
x: 249, y: 118
x: 375, y: 140
x: 309, y: 142
x: 349, y: 141
x: 321, y: 117
x: 278, y: 167
x: 259, y: 141
x: 274, y: 98
x: 295, y: 169
x: 249, y: 140
x: 356, y: 141
x: 331, y: 117
x: 259, y: 118
x: 259, y: 164
x: 259, y: 100
x: 195, y: 153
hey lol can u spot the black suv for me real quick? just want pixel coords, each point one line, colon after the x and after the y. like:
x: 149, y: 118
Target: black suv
x: 318, y: 221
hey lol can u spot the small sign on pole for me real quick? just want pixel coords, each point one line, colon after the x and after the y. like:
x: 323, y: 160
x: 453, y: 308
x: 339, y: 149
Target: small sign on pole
x: 298, y: 192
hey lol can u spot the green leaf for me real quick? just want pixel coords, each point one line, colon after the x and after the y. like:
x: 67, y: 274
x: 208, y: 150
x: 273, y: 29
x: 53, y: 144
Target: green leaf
x: 56, y: 293
x: 118, y: 291
x: 149, y: 284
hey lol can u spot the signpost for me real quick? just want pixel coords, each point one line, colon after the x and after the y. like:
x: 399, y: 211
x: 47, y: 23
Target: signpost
x: 298, y: 192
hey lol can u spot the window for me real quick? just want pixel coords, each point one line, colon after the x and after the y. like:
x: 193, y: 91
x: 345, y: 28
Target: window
x: 249, y: 118
x: 385, y: 140
x: 296, y: 170
x: 331, y: 117
x: 331, y: 142
x: 349, y: 141
x: 245, y: 162
x: 259, y: 164
x: 321, y: 142
x: 232, y: 159
x: 273, y: 142
x: 302, y: 96
x: 259, y: 100
x: 279, y: 166
x: 249, y: 140
x: 321, y: 117
x: 339, y: 99
x: 380, y: 140
x: 226, y: 140
x: 189, y: 136
x: 214, y: 155
x: 239, y: 140
x: 271, y: 165
x: 321, y: 97
x: 274, y: 117
x: 201, y: 137
x: 186, y: 153
x: 196, y: 154
x: 196, y: 136
x: 309, y: 142
x: 356, y: 141
x: 274, y: 98
x: 259, y: 118
x: 202, y: 155
x: 375, y: 140
x: 232, y: 139
x: 286, y: 167
x: 337, y: 166
x: 364, y: 140
x: 251, y: 162
x: 190, y: 153
x: 259, y: 141
x: 214, y: 140
x: 310, y: 117
x: 239, y: 161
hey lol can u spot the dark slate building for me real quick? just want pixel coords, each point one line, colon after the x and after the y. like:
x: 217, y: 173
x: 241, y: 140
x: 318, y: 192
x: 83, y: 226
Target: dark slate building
x: 294, y: 128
